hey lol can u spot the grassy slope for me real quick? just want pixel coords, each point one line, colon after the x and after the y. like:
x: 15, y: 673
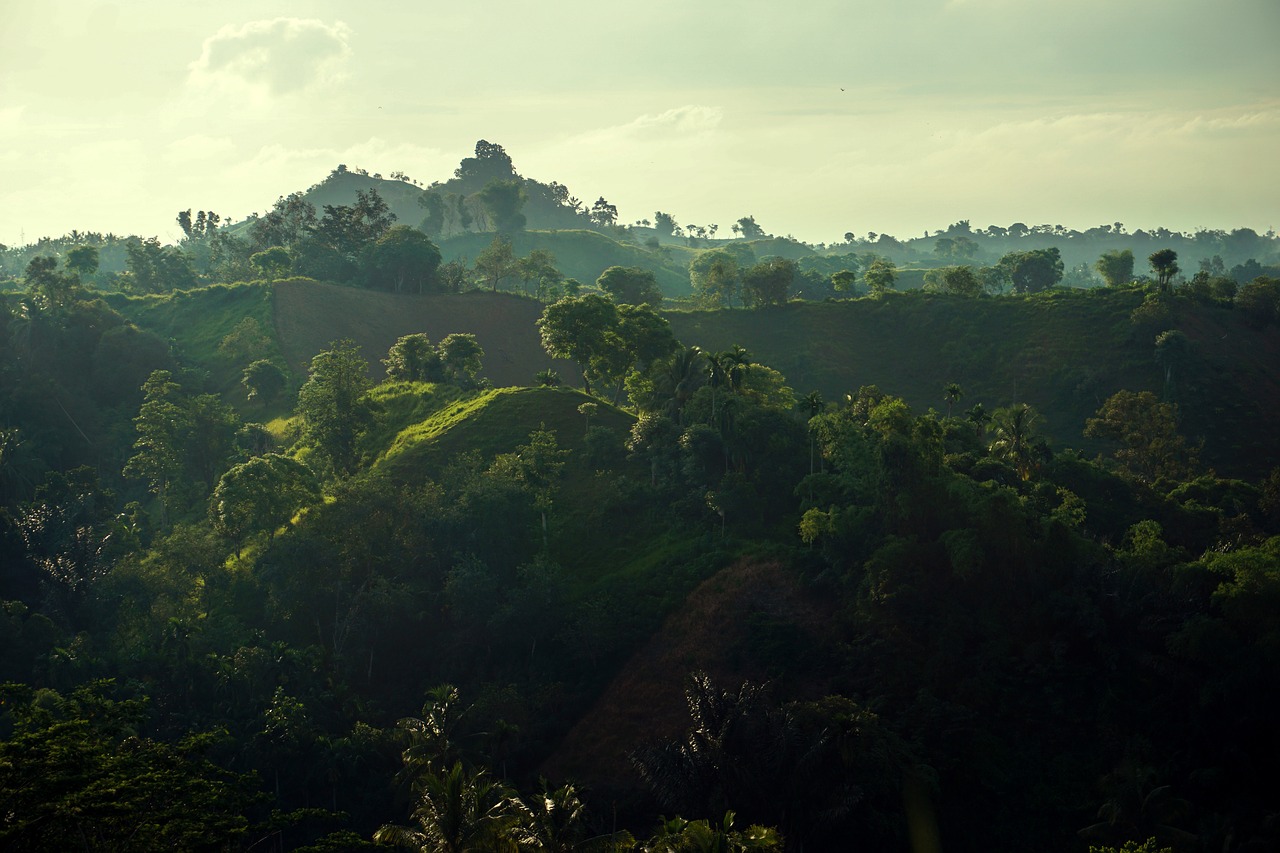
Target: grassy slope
x: 597, y: 547
x: 196, y: 322
x: 585, y: 254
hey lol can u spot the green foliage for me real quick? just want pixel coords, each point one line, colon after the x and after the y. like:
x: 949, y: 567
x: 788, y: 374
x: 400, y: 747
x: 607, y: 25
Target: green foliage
x: 82, y: 261
x: 578, y: 328
x: 539, y: 268
x: 156, y: 269
x: 263, y: 381
x: 502, y: 200
x: 260, y: 495
x: 961, y: 281
x: 402, y: 260
x: 245, y: 342
x: 1164, y: 264
x: 603, y: 214
x: 457, y: 812
x: 77, y: 773
x: 272, y: 263
x: 347, y: 230
x: 716, y: 278
x: 845, y: 281
x: 333, y: 405
x: 1016, y: 441
x: 880, y: 276
x: 290, y: 219
x: 200, y: 321
x: 412, y: 358
x: 630, y: 286
x: 497, y: 262
x: 747, y: 227
x: 1260, y: 301
x: 490, y: 162
x: 1033, y: 271
x: 161, y: 425
x: 768, y: 282
x: 1147, y: 432
x: 1115, y: 267
x: 1024, y: 619
x: 461, y: 359
x: 740, y: 742
x: 50, y: 289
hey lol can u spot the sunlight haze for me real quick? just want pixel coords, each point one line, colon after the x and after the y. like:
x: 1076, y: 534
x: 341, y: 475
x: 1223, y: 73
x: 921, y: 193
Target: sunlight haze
x: 817, y: 118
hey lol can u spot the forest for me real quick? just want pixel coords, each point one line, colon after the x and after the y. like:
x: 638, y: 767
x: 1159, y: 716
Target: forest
x: 464, y: 517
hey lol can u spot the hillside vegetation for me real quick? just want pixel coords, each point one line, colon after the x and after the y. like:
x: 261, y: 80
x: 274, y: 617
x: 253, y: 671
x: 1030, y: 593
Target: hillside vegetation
x: 1063, y: 352
x: 971, y: 554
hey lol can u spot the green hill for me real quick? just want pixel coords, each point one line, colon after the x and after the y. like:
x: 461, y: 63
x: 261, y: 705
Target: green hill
x: 340, y: 188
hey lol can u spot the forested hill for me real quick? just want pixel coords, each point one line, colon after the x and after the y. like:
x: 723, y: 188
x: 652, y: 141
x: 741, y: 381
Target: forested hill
x: 252, y: 592
x: 410, y: 529
x: 1064, y: 352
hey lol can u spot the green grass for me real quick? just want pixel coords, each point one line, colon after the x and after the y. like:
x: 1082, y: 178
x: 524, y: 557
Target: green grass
x: 493, y: 422
x: 197, y: 321
x: 402, y: 406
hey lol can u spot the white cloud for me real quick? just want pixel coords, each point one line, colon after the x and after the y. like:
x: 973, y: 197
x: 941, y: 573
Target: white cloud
x: 1266, y: 119
x: 276, y: 57
x: 198, y: 149
x: 674, y: 124
x: 11, y: 119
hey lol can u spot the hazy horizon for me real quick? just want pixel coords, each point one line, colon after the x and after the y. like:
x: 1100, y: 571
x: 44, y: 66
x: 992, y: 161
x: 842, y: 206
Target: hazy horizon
x: 831, y: 118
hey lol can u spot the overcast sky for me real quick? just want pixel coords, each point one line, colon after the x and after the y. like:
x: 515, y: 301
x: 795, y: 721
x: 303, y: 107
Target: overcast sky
x: 815, y: 117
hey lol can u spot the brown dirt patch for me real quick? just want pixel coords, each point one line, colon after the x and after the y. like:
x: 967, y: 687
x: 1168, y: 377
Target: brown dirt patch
x: 309, y: 316
x: 646, y: 700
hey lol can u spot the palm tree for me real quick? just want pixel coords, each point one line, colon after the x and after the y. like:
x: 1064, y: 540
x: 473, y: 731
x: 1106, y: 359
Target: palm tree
x: 587, y: 410
x: 812, y: 403
x: 979, y: 417
x: 716, y: 375
x: 952, y: 394
x: 1136, y: 807
x: 556, y: 821
x: 702, y: 836
x: 429, y: 739
x: 736, y: 363
x: 1164, y: 264
x: 1015, y: 438
x: 682, y: 376
x: 459, y: 812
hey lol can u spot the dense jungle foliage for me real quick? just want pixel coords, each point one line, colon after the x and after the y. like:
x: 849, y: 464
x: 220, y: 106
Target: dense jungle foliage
x: 377, y: 600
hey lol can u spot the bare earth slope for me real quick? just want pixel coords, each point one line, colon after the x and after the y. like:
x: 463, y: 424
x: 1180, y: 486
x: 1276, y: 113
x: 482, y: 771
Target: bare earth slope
x: 309, y: 316
x: 717, y: 630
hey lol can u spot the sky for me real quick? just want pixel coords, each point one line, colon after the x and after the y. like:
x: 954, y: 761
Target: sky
x: 817, y: 118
